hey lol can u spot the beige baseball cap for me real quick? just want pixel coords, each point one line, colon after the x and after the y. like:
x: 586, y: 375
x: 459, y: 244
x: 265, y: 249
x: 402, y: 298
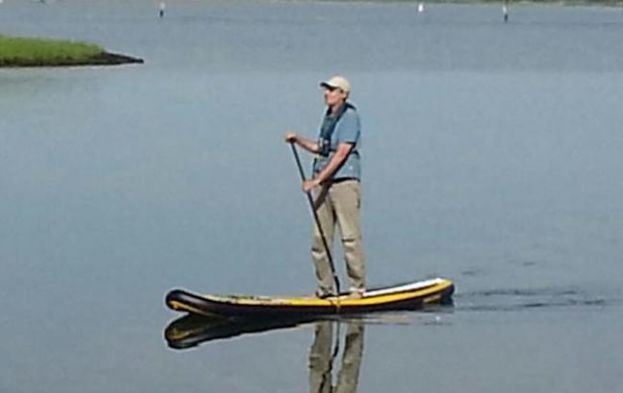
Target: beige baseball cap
x: 338, y: 82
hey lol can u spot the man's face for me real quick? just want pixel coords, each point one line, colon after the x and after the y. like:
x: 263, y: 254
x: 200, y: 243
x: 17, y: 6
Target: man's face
x: 333, y: 96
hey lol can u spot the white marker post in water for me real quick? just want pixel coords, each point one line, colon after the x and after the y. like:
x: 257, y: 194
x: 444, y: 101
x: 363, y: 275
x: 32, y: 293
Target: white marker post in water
x: 420, y: 7
x: 505, y: 10
x: 161, y: 9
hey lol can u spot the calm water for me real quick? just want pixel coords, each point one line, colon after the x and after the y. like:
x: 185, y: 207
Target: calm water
x: 492, y: 156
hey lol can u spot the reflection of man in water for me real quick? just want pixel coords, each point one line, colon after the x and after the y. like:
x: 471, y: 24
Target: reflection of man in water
x: 322, y: 354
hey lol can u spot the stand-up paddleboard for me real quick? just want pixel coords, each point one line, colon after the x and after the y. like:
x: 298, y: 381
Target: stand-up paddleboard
x: 410, y: 296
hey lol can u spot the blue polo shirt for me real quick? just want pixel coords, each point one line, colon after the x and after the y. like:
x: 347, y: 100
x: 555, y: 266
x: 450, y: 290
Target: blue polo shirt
x: 347, y: 130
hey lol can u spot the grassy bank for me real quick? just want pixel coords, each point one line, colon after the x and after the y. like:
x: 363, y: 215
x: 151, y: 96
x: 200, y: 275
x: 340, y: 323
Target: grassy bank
x: 32, y: 52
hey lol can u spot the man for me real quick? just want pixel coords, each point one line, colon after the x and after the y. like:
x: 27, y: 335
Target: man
x: 336, y: 187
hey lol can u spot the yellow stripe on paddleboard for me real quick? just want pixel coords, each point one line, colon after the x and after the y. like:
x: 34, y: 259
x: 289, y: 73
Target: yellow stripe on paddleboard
x: 185, y: 307
x: 342, y: 301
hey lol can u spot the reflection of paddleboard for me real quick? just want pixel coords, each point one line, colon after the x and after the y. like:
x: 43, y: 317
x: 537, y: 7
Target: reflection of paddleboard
x: 399, y: 297
x: 192, y: 330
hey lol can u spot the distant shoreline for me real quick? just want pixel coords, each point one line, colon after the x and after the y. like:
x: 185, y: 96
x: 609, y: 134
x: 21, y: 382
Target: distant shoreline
x: 609, y: 3
x: 39, y: 52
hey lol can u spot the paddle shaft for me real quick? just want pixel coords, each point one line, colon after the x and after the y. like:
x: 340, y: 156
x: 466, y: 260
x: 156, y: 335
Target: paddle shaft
x: 316, y: 219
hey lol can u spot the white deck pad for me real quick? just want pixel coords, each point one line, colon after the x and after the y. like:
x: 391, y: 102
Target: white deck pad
x: 404, y: 288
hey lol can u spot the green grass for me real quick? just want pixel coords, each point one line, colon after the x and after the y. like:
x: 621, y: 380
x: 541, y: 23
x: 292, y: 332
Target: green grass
x: 34, y: 51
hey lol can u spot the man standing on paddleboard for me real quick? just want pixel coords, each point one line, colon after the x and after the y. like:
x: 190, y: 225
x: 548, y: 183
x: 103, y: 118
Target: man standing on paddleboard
x: 336, y: 187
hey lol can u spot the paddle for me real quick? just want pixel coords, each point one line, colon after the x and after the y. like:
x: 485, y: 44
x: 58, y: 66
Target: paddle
x: 313, y: 209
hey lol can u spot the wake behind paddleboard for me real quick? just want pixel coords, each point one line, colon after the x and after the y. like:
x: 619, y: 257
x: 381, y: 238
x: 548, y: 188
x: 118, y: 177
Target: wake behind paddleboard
x: 408, y: 296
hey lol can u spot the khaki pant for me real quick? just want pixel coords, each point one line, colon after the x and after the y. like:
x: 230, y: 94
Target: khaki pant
x: 339, y: 204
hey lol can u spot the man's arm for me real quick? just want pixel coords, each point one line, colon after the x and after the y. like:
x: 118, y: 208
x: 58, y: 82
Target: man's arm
x: 307, y: 144
x: 343, y: 150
